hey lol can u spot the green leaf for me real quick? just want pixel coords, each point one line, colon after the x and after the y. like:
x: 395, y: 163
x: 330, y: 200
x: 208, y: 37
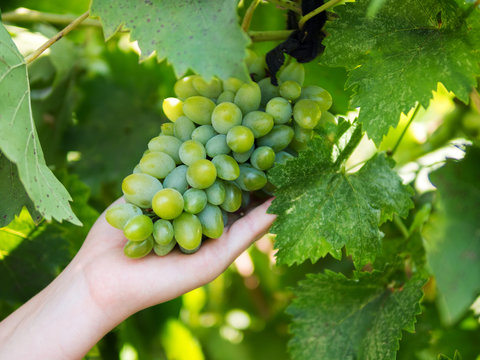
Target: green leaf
x: 19, y: 140
x: 339, y: 318
x: 398, y: 57
x: 452, y: 234
x: 203, y: 36
x: 321, y: 210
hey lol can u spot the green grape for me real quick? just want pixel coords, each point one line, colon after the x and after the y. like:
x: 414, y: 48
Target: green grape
x: 292, y: 72
x: 138, y: 228
x: 225, y: 116
x: 216, y: 192
x: 188, y: 252
x: 167, y: 130
x: 138, y: 249
x: 203, y: 133
x: 259, y: 122
x: 225, y: 217
x: 297, y: 145
x: 139, y: 189
x: 240, y: 138
x: 290, y: 90
x: 326, y: 118
x: 199, y: 109
x: 256, y: 64
x: 245, y: 199
x: 217, y: 145
x: 226, y: 96
x: 269, y: 189
x: 302, y: 135
x: 201, y: 174
x: 232, y: 84
x: 119, y: 214
x: 233, y: 197
x: 195, y: 200
x: 262, y: 158
x: 306, y: 113
x: 278, y: 139
x: 168, y: 204
x: 212, y: 221
x: 157, y: 164
x: 227, y: 167
x: 173, y: 108
x: 183, y: 88
x: 251, y: 179
x: 243, y: 157
x: 280, y: 109
x: 191, y: 151
x: 320, y: 95
x: 166, y: 144
x: 162, y: 232
x: 162, y: 250
x: 281, y: 157
x: 208, y: 89
x: 177, y: 179
x: 183, y: 128
x: 248, y: 97
x: 136, y: 169
x: 188, y: 231
x: 268, y: 90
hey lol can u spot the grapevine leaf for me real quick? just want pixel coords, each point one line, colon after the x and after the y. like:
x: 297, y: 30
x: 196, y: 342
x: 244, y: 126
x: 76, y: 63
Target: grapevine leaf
x: 339, y: 318
x: 386, y: 56
x: 321, y: 210
x: 452, y: 234
x: 202, y: 36
x: 19, y: 140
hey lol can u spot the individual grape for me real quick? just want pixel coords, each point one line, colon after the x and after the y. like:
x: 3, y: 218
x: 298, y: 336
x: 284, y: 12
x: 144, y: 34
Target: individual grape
x: 259, y: 122
x: 177, y: 179
x: 225, y: 217
x: 173, y: 108
x: 167, y: 129
x: 138, y: 249
x: 201, y: 174
x: 136, y: 169
x: 298, y: 146
x: 240, y: 138
x: 302, y: 135
x: 191, y: 151
x: 139, y: 189
x: 138, y: 228
x: 243, y: 157
x: 188, y: 231
x: 183, y: 128
x: 306, y: 113
x: 183, y: 88
x: 195, y: 200
x: 162, y: 232
x: 281, y: 157
x: 269, y: 189
x: 268, y: 90
x: 233, y: 197
x: 294, y: 72
x: 208, y: 89
x: 280, y: 109
x: 212, y: 221
x: 248, y: 97
x: 326, y: 118
x: 168, y: 204
x: 232, y: 84
x: 162, y: 250
x: 226, y: 166
x: 245, y: 199
x: 216, y: 192
x: 290, y: 90
x: 262, y: 158
x: 225, y: 116
x: 199, y: 109
x: 251, y: 179
x: 255, y: 64
x: 203, y: 133
x: 226, y: 96
x: 166, y: 144
x: 188, y: 252
x: 320, y: 95
x: 278, y: 139
x: 157, y: 164
x: 118, y: 215
x: 217, y: 145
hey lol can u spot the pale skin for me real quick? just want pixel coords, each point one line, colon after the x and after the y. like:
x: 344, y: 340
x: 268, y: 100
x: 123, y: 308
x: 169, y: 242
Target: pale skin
x: 101, y: 287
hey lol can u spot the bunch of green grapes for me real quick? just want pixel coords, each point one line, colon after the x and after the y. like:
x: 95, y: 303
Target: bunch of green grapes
x: 222, y: 139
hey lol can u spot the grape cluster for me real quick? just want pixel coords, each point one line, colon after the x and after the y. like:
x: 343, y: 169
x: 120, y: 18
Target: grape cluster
x: 222, y: 138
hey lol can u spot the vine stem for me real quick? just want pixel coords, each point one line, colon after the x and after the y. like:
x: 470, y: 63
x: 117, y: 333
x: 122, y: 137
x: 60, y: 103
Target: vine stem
x: 57, y: 37
x: 417, y: 107
x: 317, y: 11
x: 285, y: 4
x: 273, y: 35
x: 247, y: 19
x: 27, y: 15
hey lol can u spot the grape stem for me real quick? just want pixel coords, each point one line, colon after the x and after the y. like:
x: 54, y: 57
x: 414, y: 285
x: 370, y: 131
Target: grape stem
x: 247, y: 19
x: 273, y: 35
x: 30, y: 58
x: 23, y: 15
x: 391, y: 153
x: 317, y: 11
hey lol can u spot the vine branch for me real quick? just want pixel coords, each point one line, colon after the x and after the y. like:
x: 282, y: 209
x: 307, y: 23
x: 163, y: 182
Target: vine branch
x: 27, y: 15
x: 417, y: 107
x: 55, y: 38
x: 247, y: 19
x: 273, y: 35
x: 317, y: 11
